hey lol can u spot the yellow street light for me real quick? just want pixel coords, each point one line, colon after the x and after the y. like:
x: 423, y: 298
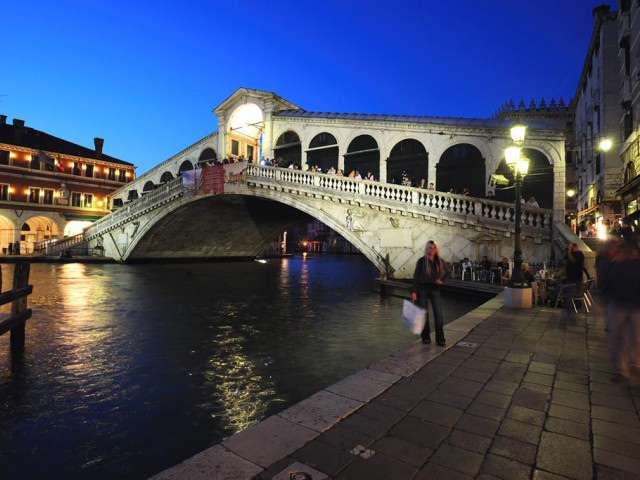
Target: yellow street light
x: 512, y: 155
x: 523, y: 166
x: 571, y: 193
x: 518, y: 132
x: 605, y: 144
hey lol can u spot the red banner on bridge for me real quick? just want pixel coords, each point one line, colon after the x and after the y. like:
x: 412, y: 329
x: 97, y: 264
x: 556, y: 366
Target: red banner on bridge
x: 213, y: 179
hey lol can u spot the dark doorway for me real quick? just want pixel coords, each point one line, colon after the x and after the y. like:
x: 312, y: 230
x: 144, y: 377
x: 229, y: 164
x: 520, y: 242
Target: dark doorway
x: 461, y: 166
x: 363, y: 155
x: 288, y: 149
x: 538, y: 183
x: 408, y: 156
x: 326, y: 155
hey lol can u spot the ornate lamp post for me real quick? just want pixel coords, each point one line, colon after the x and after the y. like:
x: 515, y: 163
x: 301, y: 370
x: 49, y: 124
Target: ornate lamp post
x: 520, y: 167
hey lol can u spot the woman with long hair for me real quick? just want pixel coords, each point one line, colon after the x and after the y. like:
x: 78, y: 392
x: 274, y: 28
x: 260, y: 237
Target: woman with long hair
x: 428, y: 279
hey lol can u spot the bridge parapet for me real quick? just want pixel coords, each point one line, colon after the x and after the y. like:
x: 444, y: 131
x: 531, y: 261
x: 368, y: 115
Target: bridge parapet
x: 536, y: 222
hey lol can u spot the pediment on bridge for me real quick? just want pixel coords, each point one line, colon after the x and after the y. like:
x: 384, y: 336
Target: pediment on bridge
x: 486, y: 238
x: 264, y: 97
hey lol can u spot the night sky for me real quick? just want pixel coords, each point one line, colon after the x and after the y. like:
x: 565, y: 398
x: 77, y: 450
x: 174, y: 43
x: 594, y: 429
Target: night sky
x: 146, y: 75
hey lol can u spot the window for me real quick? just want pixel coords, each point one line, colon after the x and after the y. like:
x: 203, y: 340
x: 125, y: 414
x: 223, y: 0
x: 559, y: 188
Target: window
x: 77, y: 169
x: 628, y: 123
x: 4, y: 192
x: 88, y: 172
x: 49, y: 164
x: 76, y: 199
x: 122, y: 175
x: 35, y: 162
x: 47, y: 198
x: 598, y: 160
x: 4, y: 157
x: 88, y: 200
x: 112, y: 174
x: 235, y: 147
x: 34, y: 195
x: 249, y: 152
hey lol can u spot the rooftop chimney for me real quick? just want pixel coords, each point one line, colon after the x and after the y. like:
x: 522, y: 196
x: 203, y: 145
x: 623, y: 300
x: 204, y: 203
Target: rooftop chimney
x: 98, y: 142
x: 3, y: 119
x: 18, y: 130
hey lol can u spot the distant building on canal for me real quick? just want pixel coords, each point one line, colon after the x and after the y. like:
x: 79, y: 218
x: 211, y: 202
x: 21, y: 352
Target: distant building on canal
x: 50, y: 187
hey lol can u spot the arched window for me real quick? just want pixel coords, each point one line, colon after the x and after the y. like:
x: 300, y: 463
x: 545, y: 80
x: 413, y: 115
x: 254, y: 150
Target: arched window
x: 538, y: 183
x: 25, y: 227
x: 288, y: 149
x: 323, y: 152
x: 599, y: 198
x: 461, y: 166
x: 207, y: 155
x: 629, y: 172
x: 148, y: 186
x: 363, y: 155
x: 133, y: 195
x: 166, y: 177
x: 185, y: 166
x: 408, y: 157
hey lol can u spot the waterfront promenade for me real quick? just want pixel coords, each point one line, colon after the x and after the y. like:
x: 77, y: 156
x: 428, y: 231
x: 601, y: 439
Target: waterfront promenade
x: 522, y: 394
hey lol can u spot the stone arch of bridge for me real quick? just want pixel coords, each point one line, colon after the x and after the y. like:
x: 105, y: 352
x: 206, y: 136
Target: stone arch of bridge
x: 462, y: 165
x: 338, y: 225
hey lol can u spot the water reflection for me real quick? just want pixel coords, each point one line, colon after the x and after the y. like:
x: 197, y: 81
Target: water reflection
x: 130, y: 369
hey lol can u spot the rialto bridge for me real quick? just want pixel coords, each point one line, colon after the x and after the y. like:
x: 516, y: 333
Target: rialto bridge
x: 388, y: 223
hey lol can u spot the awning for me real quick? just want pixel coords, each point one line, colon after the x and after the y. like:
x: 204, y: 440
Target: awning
x: 77, y: 216
x: 589, y: 210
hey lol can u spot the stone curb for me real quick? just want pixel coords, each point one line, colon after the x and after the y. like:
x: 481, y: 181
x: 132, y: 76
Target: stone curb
x: 249, y: 452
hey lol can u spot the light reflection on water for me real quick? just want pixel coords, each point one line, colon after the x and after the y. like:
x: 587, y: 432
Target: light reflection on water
x: 130, y: 369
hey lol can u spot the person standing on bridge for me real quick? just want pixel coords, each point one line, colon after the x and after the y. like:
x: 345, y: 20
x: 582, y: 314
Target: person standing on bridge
x: 428, y: 279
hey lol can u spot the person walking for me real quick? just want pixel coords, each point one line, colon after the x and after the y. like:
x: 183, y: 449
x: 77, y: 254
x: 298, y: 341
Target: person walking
x: 428, y: 279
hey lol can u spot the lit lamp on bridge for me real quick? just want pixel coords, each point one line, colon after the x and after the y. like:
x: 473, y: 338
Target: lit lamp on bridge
x: 518, y: 292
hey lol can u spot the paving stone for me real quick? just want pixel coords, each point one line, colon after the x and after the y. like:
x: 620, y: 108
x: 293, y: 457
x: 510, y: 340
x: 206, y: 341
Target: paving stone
x: 536, y: 387
x: 215, y: 462
x: 486, y: 411
x: 631, y: 450
x: 494, y: 353
x: 609, y: 389
x: 380, y: 376
x: 458, y: 459
x: 446, y: 398
x: 274, y: 469
x: 468, y: 374
x: 486, y: 476
x: 501, y: 386
x: 393, y: 401
x: 366, y: 425
x: 460, y: 386
x: 569, y: 413
x: 522, y: 358
x: 285, y: 474
x: 567, y: 427
x: 605, y: 400
x: 615, y: 416
x: 420, y: 432
x: 534, y: 400
x: 403, y: 450
x: 608, y: 473
x: 545, y: 368
x: 515, y: 450
x: 358, y: 388
x: 564, y: 455
x: 570, y: 399
x: 478, y: 425
x: 382, y: 413
x: 379, y: 466
x: 345, y: 438
x: 524, y: 432
x: 493, y: 399
x: 437, y: 413
x: 433, y: 471
x: 542, y: 475
x: 484, y: 365
x: 526, y: 415
x: 615, y: 431
x: 539, y: 378
x: 469, y: 441
x: 324, y: 457
x: 412, y: 390
x: 269, y: 440
x: 574, y: 387
x: 505, y: 468
x: 510, y: 372
x: 572, y: 377
x: 321, y: 410
x: 614, y: 460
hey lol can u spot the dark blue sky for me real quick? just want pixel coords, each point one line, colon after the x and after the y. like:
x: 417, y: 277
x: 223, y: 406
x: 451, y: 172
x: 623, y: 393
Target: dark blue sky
x: 146, y: 75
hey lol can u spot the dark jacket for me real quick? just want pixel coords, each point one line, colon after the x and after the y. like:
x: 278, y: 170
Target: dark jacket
x: 423, y: 281
x: 574, y: 269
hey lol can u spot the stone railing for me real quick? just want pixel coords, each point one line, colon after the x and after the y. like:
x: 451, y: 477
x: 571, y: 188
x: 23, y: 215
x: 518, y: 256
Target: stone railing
x: 363, y: 190
x: 174, y: 188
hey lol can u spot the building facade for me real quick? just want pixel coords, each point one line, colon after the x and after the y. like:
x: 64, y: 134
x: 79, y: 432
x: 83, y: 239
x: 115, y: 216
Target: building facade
x: 51, y: 188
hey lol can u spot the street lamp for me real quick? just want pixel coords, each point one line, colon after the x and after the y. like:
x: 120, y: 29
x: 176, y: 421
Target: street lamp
x: 605, y: 144
x: 520, y: 167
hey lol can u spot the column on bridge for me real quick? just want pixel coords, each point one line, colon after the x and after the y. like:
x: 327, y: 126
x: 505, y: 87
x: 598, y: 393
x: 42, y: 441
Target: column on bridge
x: 222, y: 137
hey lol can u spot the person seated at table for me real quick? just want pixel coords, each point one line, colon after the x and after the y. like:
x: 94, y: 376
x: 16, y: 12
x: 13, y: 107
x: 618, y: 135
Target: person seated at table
x: 504, y: 267
x: 465, y: 265
x: 528, y: 278
x: 485, y: 265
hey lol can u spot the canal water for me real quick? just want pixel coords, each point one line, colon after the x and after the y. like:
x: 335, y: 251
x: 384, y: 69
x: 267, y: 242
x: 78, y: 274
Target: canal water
x: 130, y: 369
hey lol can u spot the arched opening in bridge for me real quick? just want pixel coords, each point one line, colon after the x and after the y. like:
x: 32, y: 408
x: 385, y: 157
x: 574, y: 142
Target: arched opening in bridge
x: 75, y: 227
x: 207, y: 155
x: 408, y: 156
x: 148, y: 186
x: 323, y: 152
x: 288, y: 149
x: 538, y: 183
x: 461, y: 166
x: 133, y: 195
x: 363, y: 155
x: 245, y: 132
x: 166, y: 177
x: 7, y: 234
x: 185, y: 166
x: 34, y: 230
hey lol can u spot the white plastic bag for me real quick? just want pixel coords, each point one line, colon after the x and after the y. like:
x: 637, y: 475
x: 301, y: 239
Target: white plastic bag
x: 414, y: 317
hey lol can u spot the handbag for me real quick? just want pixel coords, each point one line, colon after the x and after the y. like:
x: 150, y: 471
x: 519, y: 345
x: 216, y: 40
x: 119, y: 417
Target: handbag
x: 414, y: 317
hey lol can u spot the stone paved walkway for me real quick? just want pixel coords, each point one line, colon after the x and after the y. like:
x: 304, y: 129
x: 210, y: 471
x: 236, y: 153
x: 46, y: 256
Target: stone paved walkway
x: 529, y: 396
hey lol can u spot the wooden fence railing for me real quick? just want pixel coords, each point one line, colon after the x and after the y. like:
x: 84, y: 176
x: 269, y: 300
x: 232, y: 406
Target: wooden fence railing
x: 15, y: 321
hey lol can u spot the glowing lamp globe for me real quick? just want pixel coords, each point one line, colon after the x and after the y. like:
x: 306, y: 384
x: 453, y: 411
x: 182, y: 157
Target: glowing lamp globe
x: 512, y: 155
x: 518, y: 132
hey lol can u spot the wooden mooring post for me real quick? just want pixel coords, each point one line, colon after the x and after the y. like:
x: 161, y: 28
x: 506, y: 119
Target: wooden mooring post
x: 15, y: 321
